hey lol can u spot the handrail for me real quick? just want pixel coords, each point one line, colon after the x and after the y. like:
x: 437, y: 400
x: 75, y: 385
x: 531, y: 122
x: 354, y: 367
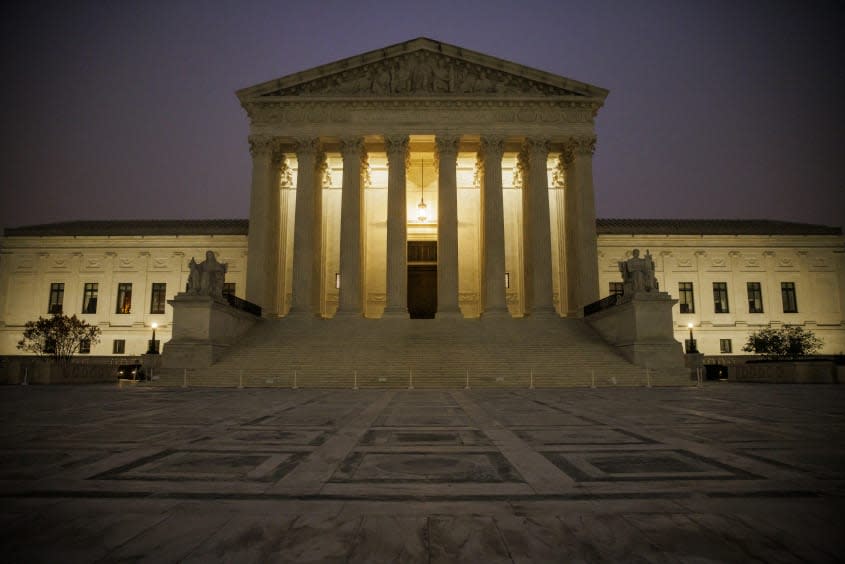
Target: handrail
x: 602, y: 304
x: 243, y: 305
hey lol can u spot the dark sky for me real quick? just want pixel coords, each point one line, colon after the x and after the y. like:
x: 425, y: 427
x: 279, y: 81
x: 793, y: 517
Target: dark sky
x: 119, y: 110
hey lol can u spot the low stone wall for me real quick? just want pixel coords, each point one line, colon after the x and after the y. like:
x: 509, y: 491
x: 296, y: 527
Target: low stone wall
x: 14, y: 370
x: 785, y: 372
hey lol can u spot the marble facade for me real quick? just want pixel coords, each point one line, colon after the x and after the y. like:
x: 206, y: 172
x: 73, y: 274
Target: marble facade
x: 500, y: 154
x: 498, y: 143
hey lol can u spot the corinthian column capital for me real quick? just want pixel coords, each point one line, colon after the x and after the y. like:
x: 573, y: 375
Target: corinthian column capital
x: 537, y: 150
x: 579, y: 146
x: 261, y: 145
x: 447, y: 145
x: 492, y: 146
x: 307, y: 146
x: 352, y: 147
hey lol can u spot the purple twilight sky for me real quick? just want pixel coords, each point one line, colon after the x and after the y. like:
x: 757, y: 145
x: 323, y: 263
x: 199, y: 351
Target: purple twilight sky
x: 121, y: 110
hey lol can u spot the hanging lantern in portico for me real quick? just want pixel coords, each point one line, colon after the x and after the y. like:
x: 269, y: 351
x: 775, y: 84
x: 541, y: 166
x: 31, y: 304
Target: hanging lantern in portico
x: 422, y: 209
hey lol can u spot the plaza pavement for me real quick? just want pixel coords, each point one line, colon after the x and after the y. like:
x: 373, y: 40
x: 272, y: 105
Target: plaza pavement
x: 723, y: 473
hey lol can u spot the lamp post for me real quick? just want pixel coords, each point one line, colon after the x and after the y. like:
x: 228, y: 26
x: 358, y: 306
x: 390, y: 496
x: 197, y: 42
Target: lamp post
x: 153, y: 349
x: 692, y: 349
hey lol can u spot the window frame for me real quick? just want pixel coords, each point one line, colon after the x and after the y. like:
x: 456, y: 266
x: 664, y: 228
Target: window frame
x: 55, y: 303
x: 124, y: 290
x: 616, y: 288
x: 683, y: 294
x: 118, y: 346
x: 90, y: 293
x: 726, y: 346
x: 755, y: 294
x: 789, y: 297
x: 720, y: 298
x: 85, y: 346
x: 158, y: 297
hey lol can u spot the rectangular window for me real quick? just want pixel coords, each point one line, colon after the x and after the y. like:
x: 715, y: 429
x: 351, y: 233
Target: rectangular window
x: 685, y: 297
x: 89, y: 298
x: 124, y: 298
x: 118, y: 346
x: 228, y: 288
x: 616, y: 288
x: 725, y: 346
x: 159, y: 297
x: 85, y: 346
x: 755, y: 298
x: 57, y: 296
x: 787, y: 294
x: 720, y: 297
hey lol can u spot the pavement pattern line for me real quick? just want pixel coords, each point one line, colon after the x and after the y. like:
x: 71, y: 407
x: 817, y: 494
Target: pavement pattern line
x: 93, y: 473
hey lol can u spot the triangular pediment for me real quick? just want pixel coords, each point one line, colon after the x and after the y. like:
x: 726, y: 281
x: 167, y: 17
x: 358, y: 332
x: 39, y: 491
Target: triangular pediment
x: 419, y: 68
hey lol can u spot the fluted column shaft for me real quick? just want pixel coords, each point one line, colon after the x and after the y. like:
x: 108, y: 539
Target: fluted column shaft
x: 537, y: 217
x: 264, y: 224
x: 397, y: 227
x: 306, y: 225
x: 447, y: 227
x: 495, y: 304
x: 581, y: 254
x: 350, y: 228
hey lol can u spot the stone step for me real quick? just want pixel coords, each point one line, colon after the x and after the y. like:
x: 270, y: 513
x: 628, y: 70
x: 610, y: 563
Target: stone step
x: 496, y: 352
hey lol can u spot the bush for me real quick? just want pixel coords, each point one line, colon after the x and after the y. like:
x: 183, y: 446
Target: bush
x: 58, y: 337
x: 790, y: 342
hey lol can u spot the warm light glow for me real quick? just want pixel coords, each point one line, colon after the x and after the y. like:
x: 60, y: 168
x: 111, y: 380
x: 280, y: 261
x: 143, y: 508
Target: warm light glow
x: 422, y: 209
x: 154, y: 325
x: 690, y: 325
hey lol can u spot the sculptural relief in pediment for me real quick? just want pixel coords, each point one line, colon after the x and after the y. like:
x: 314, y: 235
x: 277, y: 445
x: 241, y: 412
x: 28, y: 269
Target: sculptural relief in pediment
x: 422, y: 73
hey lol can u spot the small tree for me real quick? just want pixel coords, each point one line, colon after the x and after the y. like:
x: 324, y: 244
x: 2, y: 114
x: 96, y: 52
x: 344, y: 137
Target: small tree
x: 58, y: 337
x: 790, y: 342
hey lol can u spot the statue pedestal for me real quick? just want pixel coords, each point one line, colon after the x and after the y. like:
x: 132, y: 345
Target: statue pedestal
x: 641, y: 329
x: 203, y: 329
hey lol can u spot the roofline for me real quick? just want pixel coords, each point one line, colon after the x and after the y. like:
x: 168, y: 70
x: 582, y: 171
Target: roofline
x: 421, y: 43
x: 604, y: 226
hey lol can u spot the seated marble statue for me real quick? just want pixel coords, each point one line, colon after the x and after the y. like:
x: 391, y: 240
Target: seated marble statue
x: 638, y: 274
x: 206, y: 278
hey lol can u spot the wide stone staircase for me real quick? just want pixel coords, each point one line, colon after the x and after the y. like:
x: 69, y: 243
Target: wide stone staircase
x: 437, y: 353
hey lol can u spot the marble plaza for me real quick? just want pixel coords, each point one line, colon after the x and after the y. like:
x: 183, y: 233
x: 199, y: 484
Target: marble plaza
x: 723, y: 473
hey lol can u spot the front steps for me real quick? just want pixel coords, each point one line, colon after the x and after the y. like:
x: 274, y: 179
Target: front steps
x: 421, y: 353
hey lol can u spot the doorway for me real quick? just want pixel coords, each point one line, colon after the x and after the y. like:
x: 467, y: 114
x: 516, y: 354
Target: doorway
x: 422, y: 279
x: 422, y: 291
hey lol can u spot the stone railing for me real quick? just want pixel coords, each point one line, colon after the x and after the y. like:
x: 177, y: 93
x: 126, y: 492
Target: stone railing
x: 602, y: 304
x: 243, y: 305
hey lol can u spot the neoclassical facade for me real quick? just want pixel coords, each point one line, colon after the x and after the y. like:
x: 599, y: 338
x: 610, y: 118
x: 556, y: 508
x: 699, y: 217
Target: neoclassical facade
x: 492, y: 149
x: 424, y: 181
x: 697, y: 255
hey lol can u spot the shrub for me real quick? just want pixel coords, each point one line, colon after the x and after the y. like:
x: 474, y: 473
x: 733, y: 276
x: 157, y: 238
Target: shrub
x: 790, y: 342
x: 58, y: 337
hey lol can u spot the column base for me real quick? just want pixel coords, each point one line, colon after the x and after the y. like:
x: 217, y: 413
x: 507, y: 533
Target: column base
x: 396, y: 313
x: 450, y: 314
x: 543, y: 312
x: 496, y: 313
x: 348, y: 314
x: 303, y: 314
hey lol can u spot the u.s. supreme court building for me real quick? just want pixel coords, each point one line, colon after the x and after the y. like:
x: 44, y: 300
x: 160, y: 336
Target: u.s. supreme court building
x: 424, y: 209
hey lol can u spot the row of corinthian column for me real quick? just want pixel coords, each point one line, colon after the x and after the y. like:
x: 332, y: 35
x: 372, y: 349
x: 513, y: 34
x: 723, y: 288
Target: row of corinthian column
x: 265, y: 263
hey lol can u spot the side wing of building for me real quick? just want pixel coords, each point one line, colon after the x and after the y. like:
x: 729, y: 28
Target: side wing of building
x: 730, y: 277
x: 116, y: 275
x: 733, y: 277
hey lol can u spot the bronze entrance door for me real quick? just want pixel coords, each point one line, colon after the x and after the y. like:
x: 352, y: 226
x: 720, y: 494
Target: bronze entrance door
x: 422, y: 291
x: 422, y: 279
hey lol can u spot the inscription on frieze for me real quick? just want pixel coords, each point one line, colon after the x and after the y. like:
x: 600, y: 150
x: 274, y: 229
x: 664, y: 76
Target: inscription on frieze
x: 422, y: 73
